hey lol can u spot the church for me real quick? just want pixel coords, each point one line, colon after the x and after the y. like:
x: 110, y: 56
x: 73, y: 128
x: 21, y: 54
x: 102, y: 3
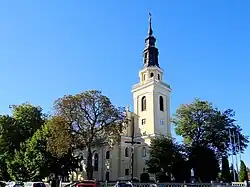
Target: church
x: 151, y: 117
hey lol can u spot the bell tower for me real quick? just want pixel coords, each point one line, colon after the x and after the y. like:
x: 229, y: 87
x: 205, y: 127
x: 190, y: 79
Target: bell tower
x: 152, y: 95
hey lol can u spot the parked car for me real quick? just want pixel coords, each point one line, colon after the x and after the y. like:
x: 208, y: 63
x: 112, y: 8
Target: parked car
x: 34, y: 184
x: 15, y: 184
x: 84, y: 183
x: 88, y: 183
x: 123, y: 184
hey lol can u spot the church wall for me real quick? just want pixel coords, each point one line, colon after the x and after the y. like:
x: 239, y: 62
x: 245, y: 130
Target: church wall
x: 148, y: 113
x: 162, y: 118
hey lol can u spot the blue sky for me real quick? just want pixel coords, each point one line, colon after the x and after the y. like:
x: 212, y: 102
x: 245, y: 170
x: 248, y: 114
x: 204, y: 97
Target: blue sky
x: 52, y: 48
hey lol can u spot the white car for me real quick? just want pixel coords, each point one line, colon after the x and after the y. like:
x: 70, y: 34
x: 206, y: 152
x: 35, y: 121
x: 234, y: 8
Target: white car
x: 123, y: 184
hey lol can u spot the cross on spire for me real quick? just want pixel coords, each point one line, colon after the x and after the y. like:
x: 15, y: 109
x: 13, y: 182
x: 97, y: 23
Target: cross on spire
x: 150, y: 30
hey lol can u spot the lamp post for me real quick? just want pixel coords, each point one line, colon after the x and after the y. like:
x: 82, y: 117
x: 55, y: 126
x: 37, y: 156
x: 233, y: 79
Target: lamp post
x: 132, y: 143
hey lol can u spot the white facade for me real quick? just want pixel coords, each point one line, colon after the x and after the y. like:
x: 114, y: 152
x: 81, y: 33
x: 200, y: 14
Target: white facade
x: 151, y: 117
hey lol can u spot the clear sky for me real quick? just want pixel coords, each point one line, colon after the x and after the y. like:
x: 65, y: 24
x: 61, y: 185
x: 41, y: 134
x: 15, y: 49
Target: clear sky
x: 52, y: 48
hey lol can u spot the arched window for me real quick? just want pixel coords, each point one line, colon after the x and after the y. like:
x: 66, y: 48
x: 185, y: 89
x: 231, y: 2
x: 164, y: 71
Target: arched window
x: 151, y: 74
x: 126, y: 152
x: 159, y: 77
x: 144, y: 153
x: 143, y: 103
x: 96, y: 160
x: 108, y: 155
x: 161, y: 103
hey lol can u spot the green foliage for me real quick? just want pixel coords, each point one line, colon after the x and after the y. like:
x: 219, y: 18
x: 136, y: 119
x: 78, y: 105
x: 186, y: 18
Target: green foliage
x: 161, y: 177
x: 91, y: 120
x: 15, y: 131
x: 144, y: 178
x: 60, y: 139
x: 243, y: 174
x: 166, y: 156
x: 199, y: 123
x: 28, y: 119
x: 225, y: 171
x: 16, y: 166
x: 204, y: 162
x: 36, y: 156
x: 24, y: 138
x: 9, y: 135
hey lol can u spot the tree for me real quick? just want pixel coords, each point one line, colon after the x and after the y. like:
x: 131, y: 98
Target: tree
x: 16, y: 166
x: 28, y: 118
x: 40, y: 162
x: 15, y: 130
x: 199, y: 123
x: 243, y: 174
x: 92, y: 121
x: 204, y: 162
x: 144, y: 178
x: 166, y: 157
x: 225, y: 171
x: 8, y: 143
x: 61, y: 137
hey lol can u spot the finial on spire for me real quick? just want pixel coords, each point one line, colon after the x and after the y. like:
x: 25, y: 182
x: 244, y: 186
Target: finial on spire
x: 150, y: 31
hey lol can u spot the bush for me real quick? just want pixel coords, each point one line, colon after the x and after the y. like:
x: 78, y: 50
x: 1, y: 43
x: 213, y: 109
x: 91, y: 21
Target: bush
x: 162, y: 177
x: 144, y: 178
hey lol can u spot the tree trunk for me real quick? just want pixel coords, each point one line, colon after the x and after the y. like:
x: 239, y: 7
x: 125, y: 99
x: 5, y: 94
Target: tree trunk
x: 89, y: 168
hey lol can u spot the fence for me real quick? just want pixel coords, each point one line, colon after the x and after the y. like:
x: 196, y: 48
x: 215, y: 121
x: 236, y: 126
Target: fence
x: 212, y: 184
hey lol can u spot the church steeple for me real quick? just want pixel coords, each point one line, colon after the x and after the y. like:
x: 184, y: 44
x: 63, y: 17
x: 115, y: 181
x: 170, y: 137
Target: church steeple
x: 150, y: 53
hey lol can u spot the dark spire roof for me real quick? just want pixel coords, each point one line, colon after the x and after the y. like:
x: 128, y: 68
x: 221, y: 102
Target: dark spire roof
x: 150, y: 53
x: 150, y: 30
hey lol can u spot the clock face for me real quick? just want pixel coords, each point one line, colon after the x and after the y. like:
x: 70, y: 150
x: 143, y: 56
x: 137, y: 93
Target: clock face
x: 162, y: 122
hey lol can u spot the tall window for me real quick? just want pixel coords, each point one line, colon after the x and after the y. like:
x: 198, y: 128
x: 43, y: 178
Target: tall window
x: 151, y: 74
x: 159, y: 77
x: 161, y: 103
x: 126, y: 172
x: 144, y: 152
x: 96, y: 160
x: 126, y: 152
x: 107, y: 176
x: 145, y: 57
x: 143, y: 103
x: 108, y: 155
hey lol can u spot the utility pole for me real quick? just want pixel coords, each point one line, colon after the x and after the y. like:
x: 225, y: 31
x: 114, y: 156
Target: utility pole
x: 132, y: 143
x: 230, y: 138
x: 238, y: 134
x: 235, y: 151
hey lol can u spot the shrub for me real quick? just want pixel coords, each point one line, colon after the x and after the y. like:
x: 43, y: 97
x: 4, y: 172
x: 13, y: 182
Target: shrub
x: 144, y: 178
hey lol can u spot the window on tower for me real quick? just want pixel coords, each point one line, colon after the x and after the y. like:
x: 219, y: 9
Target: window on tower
x: 151, y: 74
x: 145, y: 57
x: 143, y: 103
x: 143, y: 121
x: 161, y: 103
x: 159, y: 77
x: 108, y: 155
x: 126, y: 152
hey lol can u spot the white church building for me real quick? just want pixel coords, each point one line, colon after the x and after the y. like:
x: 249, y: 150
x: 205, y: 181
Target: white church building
x: 151, y: 117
